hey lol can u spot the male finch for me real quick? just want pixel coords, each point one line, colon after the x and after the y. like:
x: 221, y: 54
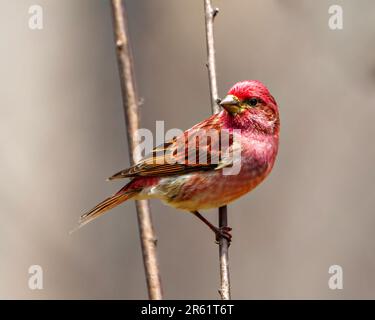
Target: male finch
x: 251, y: 117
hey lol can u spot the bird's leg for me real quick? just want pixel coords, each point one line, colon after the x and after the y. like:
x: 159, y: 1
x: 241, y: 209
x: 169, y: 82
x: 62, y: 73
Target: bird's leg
x: 223, y: 232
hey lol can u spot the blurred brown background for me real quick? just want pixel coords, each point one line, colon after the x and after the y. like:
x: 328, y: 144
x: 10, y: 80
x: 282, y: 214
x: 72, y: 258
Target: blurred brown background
x: 62, y: 133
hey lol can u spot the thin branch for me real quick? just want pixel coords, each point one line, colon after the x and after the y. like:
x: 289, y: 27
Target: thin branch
x: 210, y: 14
x: 130, y: 104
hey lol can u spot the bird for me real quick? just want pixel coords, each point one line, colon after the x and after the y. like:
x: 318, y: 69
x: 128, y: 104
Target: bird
x: 175, y: 173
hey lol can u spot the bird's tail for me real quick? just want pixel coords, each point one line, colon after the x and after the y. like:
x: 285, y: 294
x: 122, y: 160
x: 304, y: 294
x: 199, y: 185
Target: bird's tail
x: 119, y: 197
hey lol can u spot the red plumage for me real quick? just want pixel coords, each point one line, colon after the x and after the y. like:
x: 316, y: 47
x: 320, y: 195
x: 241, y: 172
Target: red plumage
x: 249, y: 108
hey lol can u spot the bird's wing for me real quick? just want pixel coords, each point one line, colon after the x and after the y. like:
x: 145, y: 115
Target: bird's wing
x: 183, y: 154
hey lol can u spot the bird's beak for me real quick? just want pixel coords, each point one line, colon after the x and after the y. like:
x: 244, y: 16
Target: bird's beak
x: 231, y: 104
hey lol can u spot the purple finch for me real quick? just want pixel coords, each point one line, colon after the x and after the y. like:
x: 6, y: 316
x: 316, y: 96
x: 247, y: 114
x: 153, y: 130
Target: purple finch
x: 251, y: 117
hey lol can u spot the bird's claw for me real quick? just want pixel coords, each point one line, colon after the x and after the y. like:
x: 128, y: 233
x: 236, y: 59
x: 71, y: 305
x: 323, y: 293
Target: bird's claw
x: 223, y: 232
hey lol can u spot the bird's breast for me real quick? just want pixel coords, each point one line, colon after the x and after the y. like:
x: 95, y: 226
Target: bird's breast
x: 215, y: 188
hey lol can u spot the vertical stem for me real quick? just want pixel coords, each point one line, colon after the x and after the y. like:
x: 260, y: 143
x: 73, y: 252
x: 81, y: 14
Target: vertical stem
x: 130, y: 105
x: 224, y: 257
x: 210, y: 14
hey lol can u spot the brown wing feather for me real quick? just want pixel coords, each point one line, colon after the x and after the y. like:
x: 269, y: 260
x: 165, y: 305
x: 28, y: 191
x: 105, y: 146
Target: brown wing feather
x: 172, y: 159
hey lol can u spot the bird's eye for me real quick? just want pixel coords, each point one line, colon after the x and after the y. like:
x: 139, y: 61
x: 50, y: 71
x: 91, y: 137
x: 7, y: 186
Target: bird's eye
x: 253, y: 102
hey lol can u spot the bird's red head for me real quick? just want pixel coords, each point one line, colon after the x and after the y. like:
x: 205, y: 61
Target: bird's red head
x: 251, y: 106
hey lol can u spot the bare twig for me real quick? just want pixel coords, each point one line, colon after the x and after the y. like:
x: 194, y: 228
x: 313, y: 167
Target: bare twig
x: 130, y: 104
x: 210, y: 14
